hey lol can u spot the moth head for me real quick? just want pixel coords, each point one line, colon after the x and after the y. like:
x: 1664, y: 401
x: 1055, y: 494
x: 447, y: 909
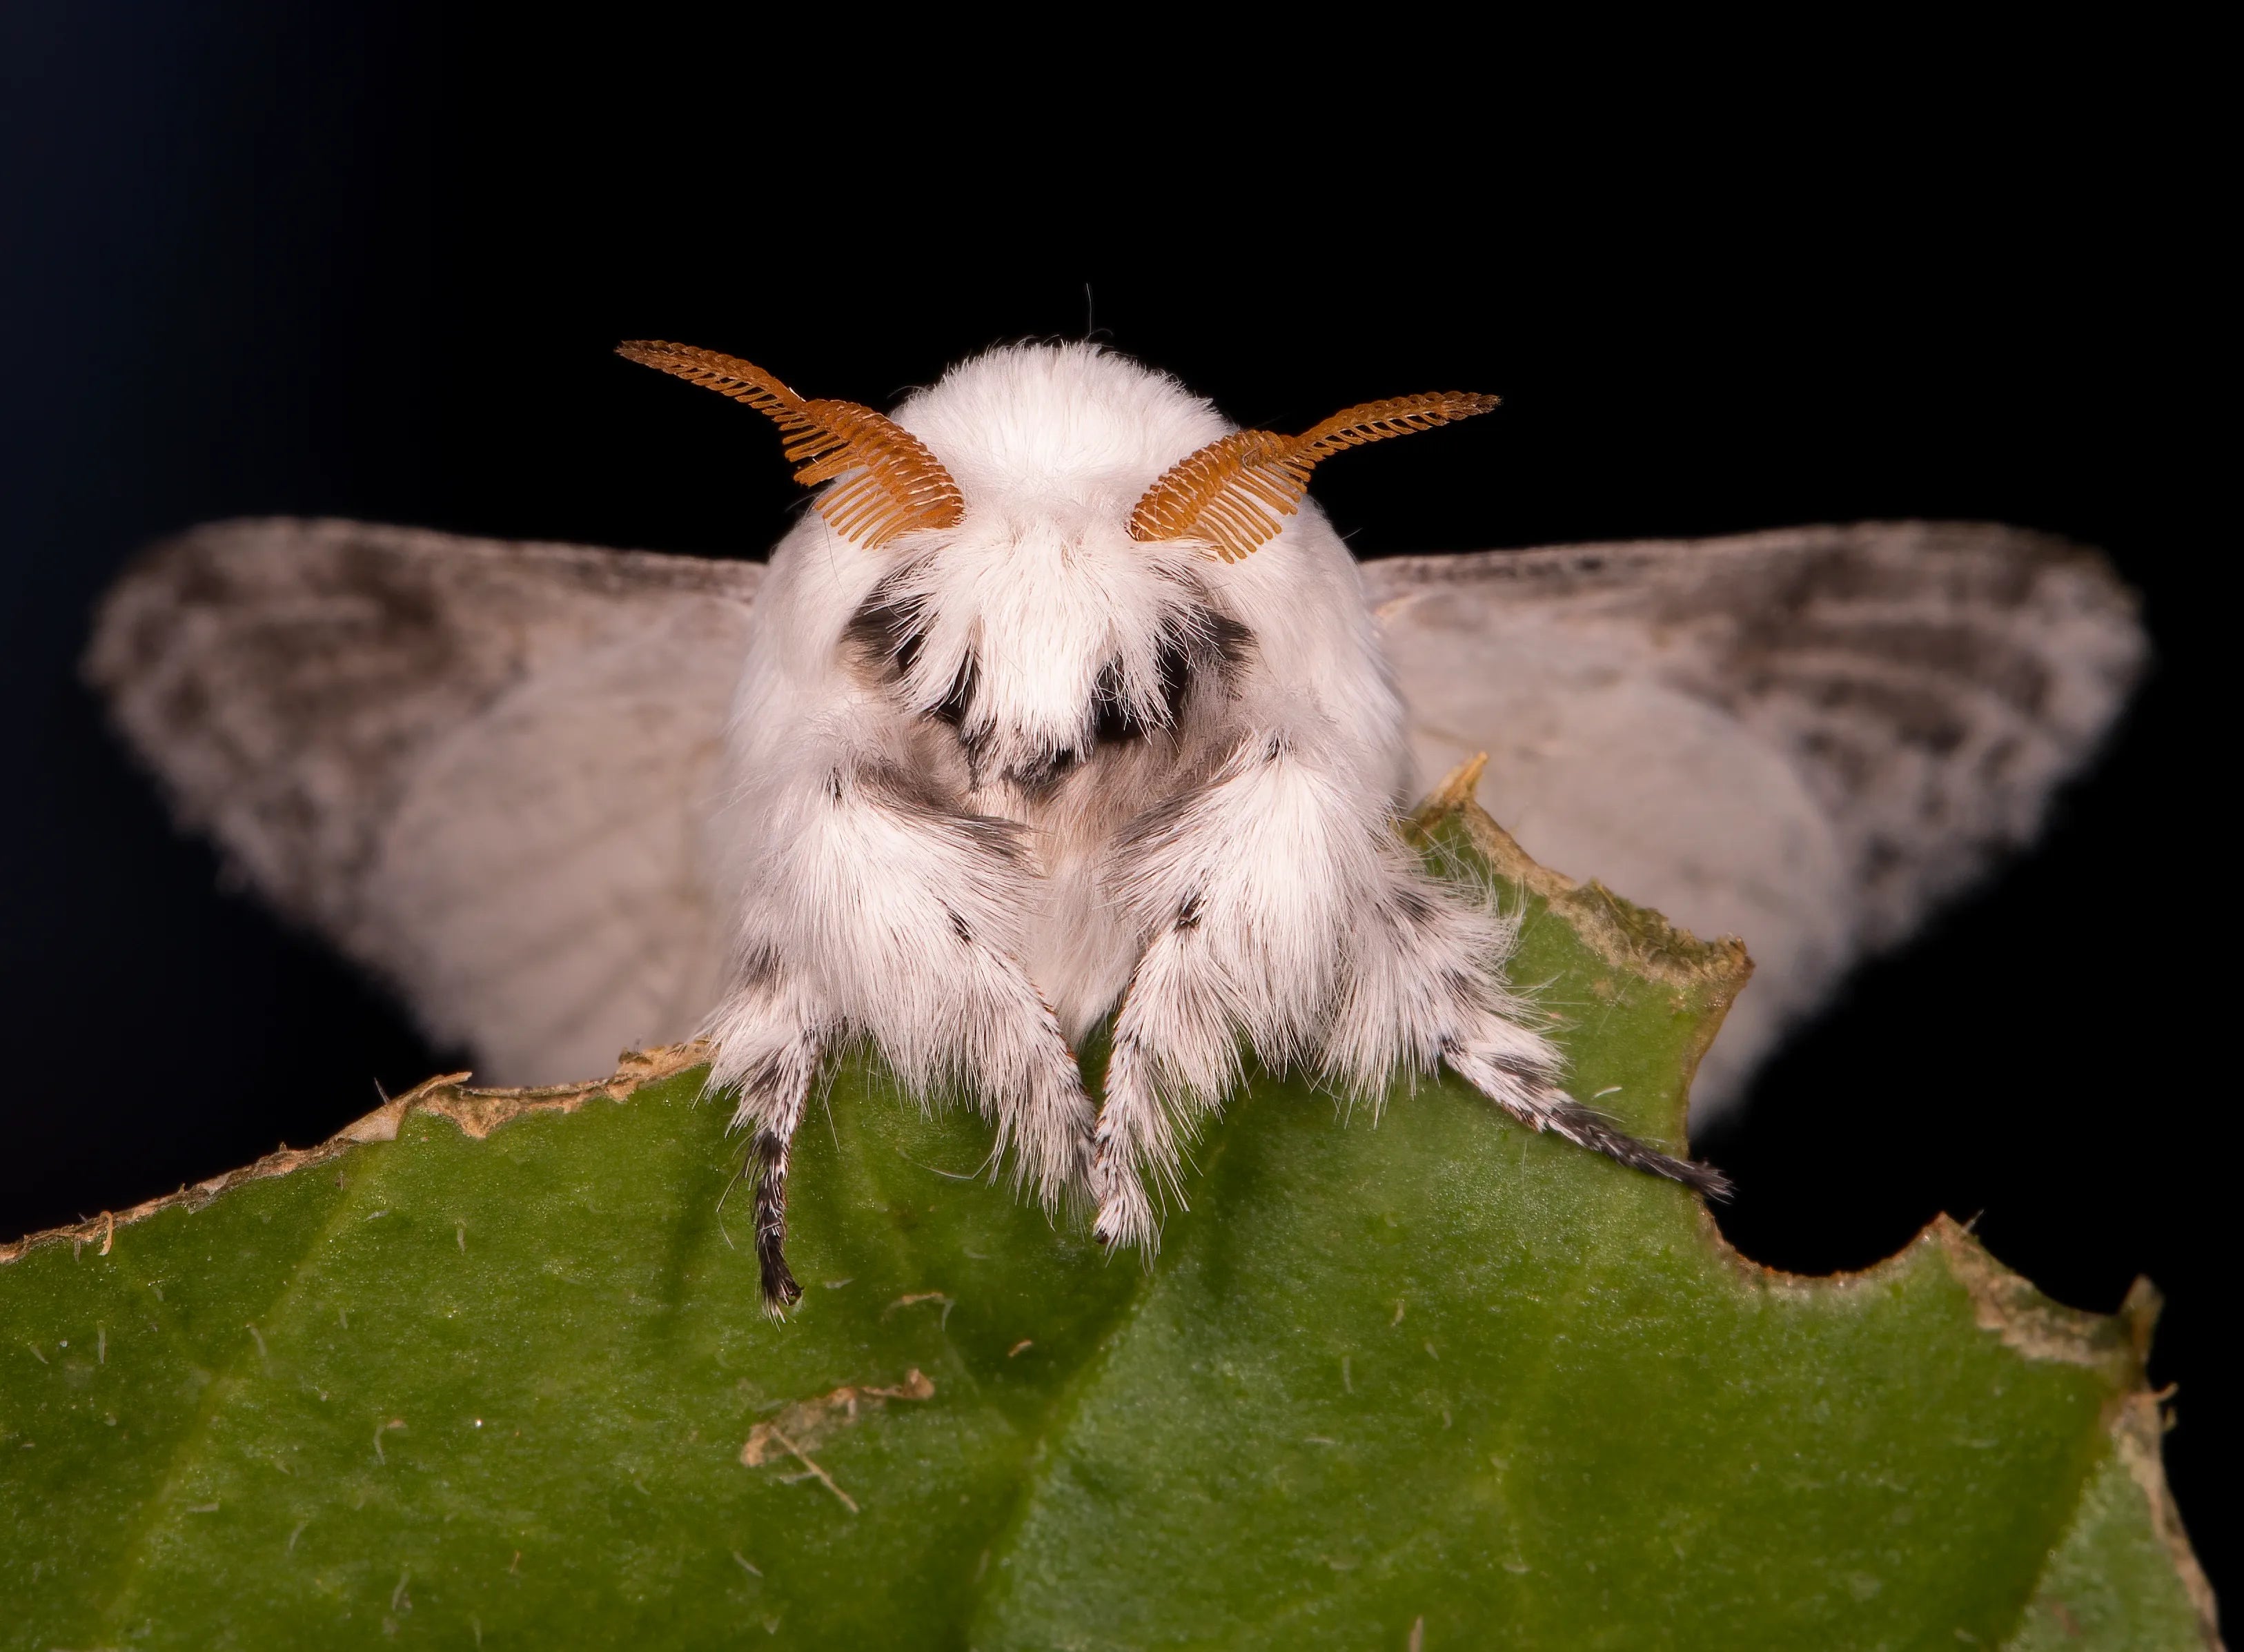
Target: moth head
x: 1231, y: 494
x: 1057, y: 582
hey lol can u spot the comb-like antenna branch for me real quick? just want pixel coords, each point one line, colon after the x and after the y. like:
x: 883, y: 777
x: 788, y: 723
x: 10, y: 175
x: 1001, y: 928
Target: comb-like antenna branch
x: 1237, y: 492
x: 890, y: 484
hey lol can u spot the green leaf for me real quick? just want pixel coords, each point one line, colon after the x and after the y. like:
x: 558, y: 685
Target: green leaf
x: 489, y: 1370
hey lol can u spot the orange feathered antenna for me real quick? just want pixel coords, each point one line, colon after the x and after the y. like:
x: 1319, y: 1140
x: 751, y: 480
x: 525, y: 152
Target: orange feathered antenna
x: 898, y: 485
x: 1237, y: 492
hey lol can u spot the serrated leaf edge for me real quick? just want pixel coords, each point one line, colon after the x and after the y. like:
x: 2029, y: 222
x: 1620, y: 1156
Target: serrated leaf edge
x: 476, y: 1111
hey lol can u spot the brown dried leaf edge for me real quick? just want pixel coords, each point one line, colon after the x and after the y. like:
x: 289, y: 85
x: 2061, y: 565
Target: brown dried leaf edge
x: 476, y: 1111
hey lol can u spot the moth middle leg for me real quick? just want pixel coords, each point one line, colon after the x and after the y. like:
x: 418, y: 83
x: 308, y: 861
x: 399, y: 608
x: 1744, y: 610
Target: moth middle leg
x: 1424, y: 987
x: 1282, y: 911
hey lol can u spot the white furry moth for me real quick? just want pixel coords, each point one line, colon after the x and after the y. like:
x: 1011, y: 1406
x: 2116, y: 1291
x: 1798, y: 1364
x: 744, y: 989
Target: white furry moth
x: 1067, y: 707
x: 1074, y: 727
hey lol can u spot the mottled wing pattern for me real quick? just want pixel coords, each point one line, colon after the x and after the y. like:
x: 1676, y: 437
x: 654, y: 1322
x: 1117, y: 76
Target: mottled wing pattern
x: 1810, y: 737
x: 480, y: 768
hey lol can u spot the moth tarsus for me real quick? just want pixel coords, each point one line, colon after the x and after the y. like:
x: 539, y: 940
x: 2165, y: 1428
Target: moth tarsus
x: 1585, y: 1128
x: 766, y: 1166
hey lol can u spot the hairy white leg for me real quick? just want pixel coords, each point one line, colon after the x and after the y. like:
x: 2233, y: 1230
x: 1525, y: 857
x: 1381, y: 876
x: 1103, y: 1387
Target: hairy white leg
x: 1424, y: 985
x: 1282, y: 907
x: 1172, y: 1033
x: 919, y: 907
x: 1011, y: 1054
x: 1244, y: 888
x: 768, y: 1048
x: 879, y: 911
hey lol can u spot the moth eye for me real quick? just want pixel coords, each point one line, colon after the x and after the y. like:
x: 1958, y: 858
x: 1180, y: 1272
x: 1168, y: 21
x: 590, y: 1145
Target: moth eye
x: 958, y: 699
x: 1112, y: 721
x: 1213, y: 642
x: 885, y: 634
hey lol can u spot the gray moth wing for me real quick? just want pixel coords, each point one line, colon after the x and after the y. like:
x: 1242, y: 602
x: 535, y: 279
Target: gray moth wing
x: 1811, y: 738
x: 480, y: 768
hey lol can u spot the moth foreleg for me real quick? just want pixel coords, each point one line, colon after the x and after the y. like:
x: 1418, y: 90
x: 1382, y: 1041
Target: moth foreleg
x: 1172, y: 1033
x: 932, y: 903
x: 1242, y: 889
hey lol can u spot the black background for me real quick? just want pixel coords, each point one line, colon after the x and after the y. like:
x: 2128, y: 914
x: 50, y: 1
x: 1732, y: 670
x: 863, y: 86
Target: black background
x: 369, y: 263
